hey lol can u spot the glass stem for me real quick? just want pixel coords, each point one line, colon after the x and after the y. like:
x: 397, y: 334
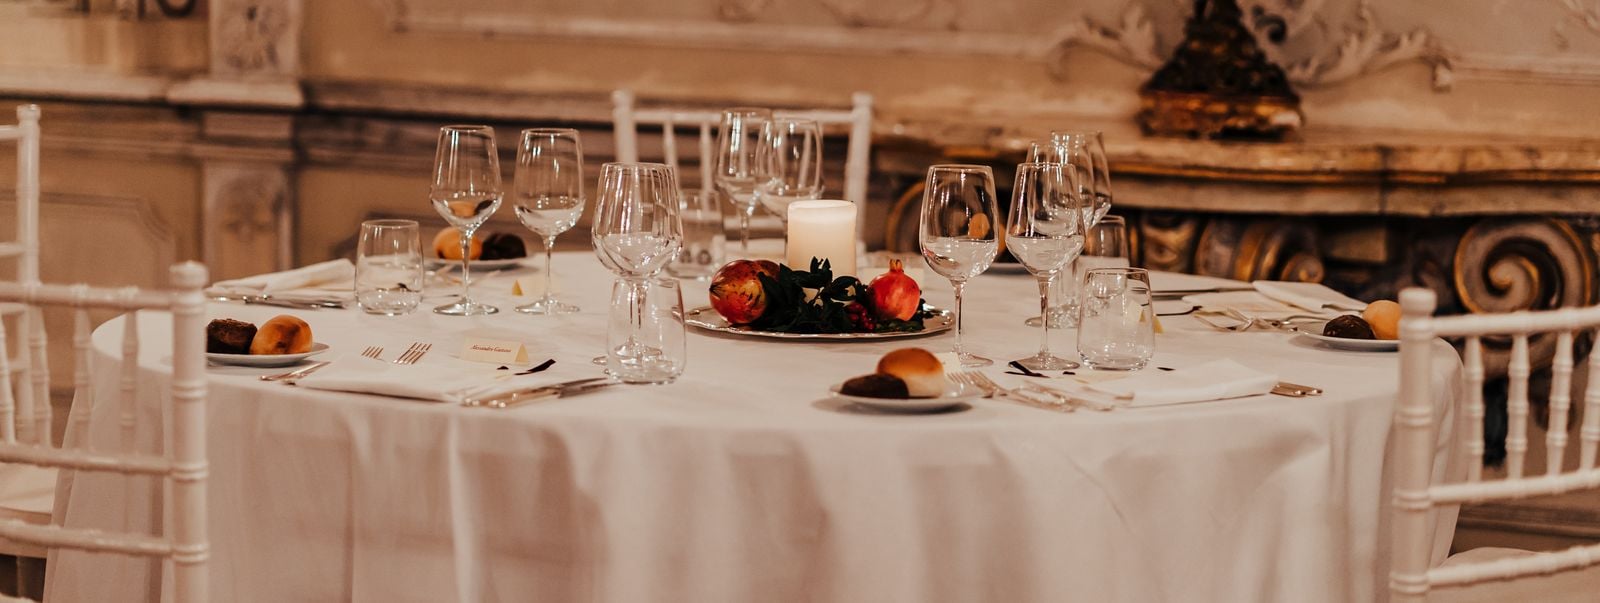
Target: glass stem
x: 1044, y: 313
x: 744, y: 231
x: 466, y: 276
x: 636, y: 300
x: 959, y: 285
x: 549, y: 258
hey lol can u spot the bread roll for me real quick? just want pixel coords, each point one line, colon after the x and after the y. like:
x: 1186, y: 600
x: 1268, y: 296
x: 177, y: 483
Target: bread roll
x: 283, y: 334
x: 1384, y: 316
x: 922, y: 372
x: 447, y: 245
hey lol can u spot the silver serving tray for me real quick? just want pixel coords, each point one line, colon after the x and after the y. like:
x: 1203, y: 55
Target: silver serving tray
x: 705, y: 317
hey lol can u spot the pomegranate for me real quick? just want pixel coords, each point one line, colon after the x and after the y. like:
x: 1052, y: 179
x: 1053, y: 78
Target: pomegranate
x: 894, y: 295
x: 736, y: 291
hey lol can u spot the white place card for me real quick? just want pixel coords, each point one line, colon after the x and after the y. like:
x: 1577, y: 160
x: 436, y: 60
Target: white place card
x: 479, y: 349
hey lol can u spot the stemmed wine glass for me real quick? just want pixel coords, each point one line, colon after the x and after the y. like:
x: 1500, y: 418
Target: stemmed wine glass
x: 636, y: 230
x: 790, y: 154
x: 1083, y: 152
x: 466, y: 191
x: 739, y: 173
x: 959, y: 231
x: 547, y: 194
x: 1098, y: 182
x: 1044, y: 231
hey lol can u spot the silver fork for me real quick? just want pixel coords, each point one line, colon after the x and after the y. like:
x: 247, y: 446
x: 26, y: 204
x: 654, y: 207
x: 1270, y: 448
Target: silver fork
x: 373, y: 352
x: 991, y: 389
x: 1243, y: 326
x: 414, y: 353
x: 291, y: 376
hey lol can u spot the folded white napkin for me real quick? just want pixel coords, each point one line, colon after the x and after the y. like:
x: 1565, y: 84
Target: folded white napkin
x: 337, y: 274
x: 1315, y: 297
x: 445, y: 380
x: 1214, y: 380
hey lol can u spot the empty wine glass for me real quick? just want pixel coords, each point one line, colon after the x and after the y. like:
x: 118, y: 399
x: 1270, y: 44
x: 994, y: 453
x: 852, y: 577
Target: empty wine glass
x: 959, y: 231
x: 547, y: 194
x: 1044, y: 231
x: 791, y: 157
x: 637, y: 229
x: 1070, y: 149
x: 466, y: 191
x: 738, y: 172
x: 1098, y: 182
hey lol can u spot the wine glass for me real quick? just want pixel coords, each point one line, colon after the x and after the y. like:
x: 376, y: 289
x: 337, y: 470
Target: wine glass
x: 959, y: 231
x: 1099, y: 177
x: 1070, y: 149
x: 547, y: 194
x: 1044, y: 231
x: 738, y: 171
x: 790, y: 155
x: 637, y: 230
x: 466, y: 191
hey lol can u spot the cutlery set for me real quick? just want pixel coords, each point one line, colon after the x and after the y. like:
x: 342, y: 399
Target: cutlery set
x: 284, y: 302
x: 501, y: 400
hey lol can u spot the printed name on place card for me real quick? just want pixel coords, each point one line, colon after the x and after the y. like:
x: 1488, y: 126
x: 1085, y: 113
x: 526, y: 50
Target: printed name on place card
x: 479, y: 349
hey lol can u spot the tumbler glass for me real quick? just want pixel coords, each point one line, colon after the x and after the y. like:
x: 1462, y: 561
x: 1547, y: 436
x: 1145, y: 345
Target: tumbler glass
x: 389, y: 267
x: 1116, y: 325
x: 653, y: 325
x: 703, y: 236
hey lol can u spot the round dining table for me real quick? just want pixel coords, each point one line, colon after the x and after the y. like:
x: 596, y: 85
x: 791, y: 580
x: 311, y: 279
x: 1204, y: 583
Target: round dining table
x: 745, y: 481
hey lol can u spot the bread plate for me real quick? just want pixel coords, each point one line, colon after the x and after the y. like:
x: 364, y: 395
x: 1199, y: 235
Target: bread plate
x: 954, y: 393
x: 266, y: 360
x: 437, y: 263
x: 1314, y: 331
x: 704, y: 317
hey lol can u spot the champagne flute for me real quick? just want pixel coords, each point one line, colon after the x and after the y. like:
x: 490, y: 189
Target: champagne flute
x: 547, y: 194
x: 959, y: 232
x: 637, y: 231
x: 738, y: 172
x: 466, y: 191
x: 790, y: 155
x: 1044, y: 231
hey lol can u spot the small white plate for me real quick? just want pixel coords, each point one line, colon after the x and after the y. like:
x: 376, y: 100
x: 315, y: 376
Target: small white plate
x: 266, y: 361
x: 954, y: 393
x: 1314, y: 331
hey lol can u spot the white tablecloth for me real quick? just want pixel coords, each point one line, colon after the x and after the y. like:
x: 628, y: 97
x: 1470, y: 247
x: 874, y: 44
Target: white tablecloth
x: 742, y: 482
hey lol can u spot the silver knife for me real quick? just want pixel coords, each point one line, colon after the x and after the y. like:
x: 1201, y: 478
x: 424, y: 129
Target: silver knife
x: 309, y: 304
x: 532, y: 393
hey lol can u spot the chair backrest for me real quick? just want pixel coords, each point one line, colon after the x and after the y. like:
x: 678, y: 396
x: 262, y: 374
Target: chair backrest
x: 26, y: 413
x: 626, y: 119
x: 1411, y: 578
x: 183, y: 465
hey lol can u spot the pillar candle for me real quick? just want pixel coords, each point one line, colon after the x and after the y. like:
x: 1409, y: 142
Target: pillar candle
x: 824, y: 229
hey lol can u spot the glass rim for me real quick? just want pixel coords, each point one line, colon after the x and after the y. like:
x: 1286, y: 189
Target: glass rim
x: 550, y: 131
x: 797, y: 120
x: 390, y: 223
x: 960, y: 168
x: 1112, y: 219
x: 466, y: 128
x: 747, y: 110
x: 1119, y: 270
x: 634, y: 165
x: 1087, y: 133
x: 1040, y: 165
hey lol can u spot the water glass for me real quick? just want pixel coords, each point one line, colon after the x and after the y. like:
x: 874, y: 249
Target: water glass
x: 1116, y: 325
x: 1044, y: 231
x: 547, y: 196
x: 703, y: 236
x: 389, y: 267
x: 646, y: 341
x: 466, y: 191
x: 1104, y: 246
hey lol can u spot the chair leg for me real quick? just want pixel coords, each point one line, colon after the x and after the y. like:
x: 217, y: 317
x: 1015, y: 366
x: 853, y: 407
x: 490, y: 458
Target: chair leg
x: 30, y: 577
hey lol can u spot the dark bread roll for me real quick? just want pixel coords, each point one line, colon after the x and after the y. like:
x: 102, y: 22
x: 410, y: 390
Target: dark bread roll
x: 876, y: 385
x: 503, y: 246
x: 229, y: 336
x: 1348, y: 327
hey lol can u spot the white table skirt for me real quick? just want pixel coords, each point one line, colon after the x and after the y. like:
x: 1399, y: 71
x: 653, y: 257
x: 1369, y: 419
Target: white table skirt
x: 741, y: 482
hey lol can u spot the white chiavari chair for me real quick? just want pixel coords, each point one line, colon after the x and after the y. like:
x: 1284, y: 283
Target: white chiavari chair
x: 626, y: 118
x: 183, y: 465
x: 27, y: 492
x: 1572, y: 574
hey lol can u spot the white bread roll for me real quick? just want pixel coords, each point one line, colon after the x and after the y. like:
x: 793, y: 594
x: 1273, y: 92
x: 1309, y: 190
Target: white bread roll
x: 922, y: 372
